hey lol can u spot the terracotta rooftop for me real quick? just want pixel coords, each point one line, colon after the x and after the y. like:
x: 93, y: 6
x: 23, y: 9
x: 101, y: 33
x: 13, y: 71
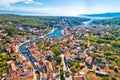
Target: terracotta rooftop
x: 49, y: 64
x: 12, y: 66
x: 20, y: 71
x: 30, y: 69
x: 79, y: 78
x: 38, y: 56
x: 50, y: 76
x: 88, y: 58
x: 33, y: 51
x: 44, y: 75
x: 29, y: 77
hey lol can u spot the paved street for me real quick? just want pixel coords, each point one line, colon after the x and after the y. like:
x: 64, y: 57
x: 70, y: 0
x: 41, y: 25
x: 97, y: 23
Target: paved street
x: 65, y: 68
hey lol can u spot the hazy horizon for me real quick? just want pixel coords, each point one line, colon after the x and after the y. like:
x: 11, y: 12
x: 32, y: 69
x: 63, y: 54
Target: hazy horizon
x: 58, y: 7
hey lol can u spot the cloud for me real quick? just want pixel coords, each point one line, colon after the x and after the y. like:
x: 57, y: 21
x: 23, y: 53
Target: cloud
x: 8, y: 3
x: 31, y: 2
x: 54, y: 11
x: 28, y: 1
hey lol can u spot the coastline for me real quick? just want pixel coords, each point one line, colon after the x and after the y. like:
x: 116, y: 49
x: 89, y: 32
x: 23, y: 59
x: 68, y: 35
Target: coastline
x: 51, y: 31
x: 62, y: 32
x: 18, y: 46
x: 48, y: 33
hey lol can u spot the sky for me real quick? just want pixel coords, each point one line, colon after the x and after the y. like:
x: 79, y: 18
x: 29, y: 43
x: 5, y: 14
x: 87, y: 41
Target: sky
x: 58, y: 7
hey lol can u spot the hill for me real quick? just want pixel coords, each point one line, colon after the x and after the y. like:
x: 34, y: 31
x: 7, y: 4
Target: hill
x: 40, y: 21
x: 115, y: 14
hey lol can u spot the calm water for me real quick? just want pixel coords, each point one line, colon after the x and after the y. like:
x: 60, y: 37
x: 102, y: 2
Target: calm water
x: 23, y: 48
x: 56, y: 34
x: 88, y: 23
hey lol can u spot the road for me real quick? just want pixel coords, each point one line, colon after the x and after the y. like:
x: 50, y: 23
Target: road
x: 65, y: 68
x: 63, y: 62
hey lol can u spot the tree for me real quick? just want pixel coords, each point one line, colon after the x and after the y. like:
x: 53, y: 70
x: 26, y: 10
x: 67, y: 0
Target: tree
x: 109, y: 37
x: 92, y: 38
x: 107, y: 53
x: 113, y: 78
x: 116, y: 70
x: 116, y: 43
x: 56, y: 50
x: 74, y: 66
x: 3, y: 64
x: 59, y: 59
x: 62, y: 72
x: 94, y: 56
x: 105, y: 78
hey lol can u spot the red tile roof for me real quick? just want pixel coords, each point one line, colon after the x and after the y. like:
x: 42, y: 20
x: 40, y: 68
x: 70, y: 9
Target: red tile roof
x: 29, y: 77
x: 44, y: 75
x: 30, y: 69
x: 38, y: 56
x: 79, y: 78
x: 49, y: 64
x: 12, y: 67
x: 20, y: 71
x: 13, y: 74
x: 25, y: 61
x: 88, y: 58
x: 50, y: 75
x: 7, y: 76
x: 19, y: 78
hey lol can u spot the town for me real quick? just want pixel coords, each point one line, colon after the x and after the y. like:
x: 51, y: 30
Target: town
x: 59, y: 39
x: 73, y: 56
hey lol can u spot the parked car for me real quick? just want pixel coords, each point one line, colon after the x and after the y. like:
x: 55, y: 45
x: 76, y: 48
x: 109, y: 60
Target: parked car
x: 67, y: 74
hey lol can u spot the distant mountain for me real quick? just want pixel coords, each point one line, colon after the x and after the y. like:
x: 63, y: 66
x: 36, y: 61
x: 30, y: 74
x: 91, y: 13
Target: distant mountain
x: 115, y: 14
